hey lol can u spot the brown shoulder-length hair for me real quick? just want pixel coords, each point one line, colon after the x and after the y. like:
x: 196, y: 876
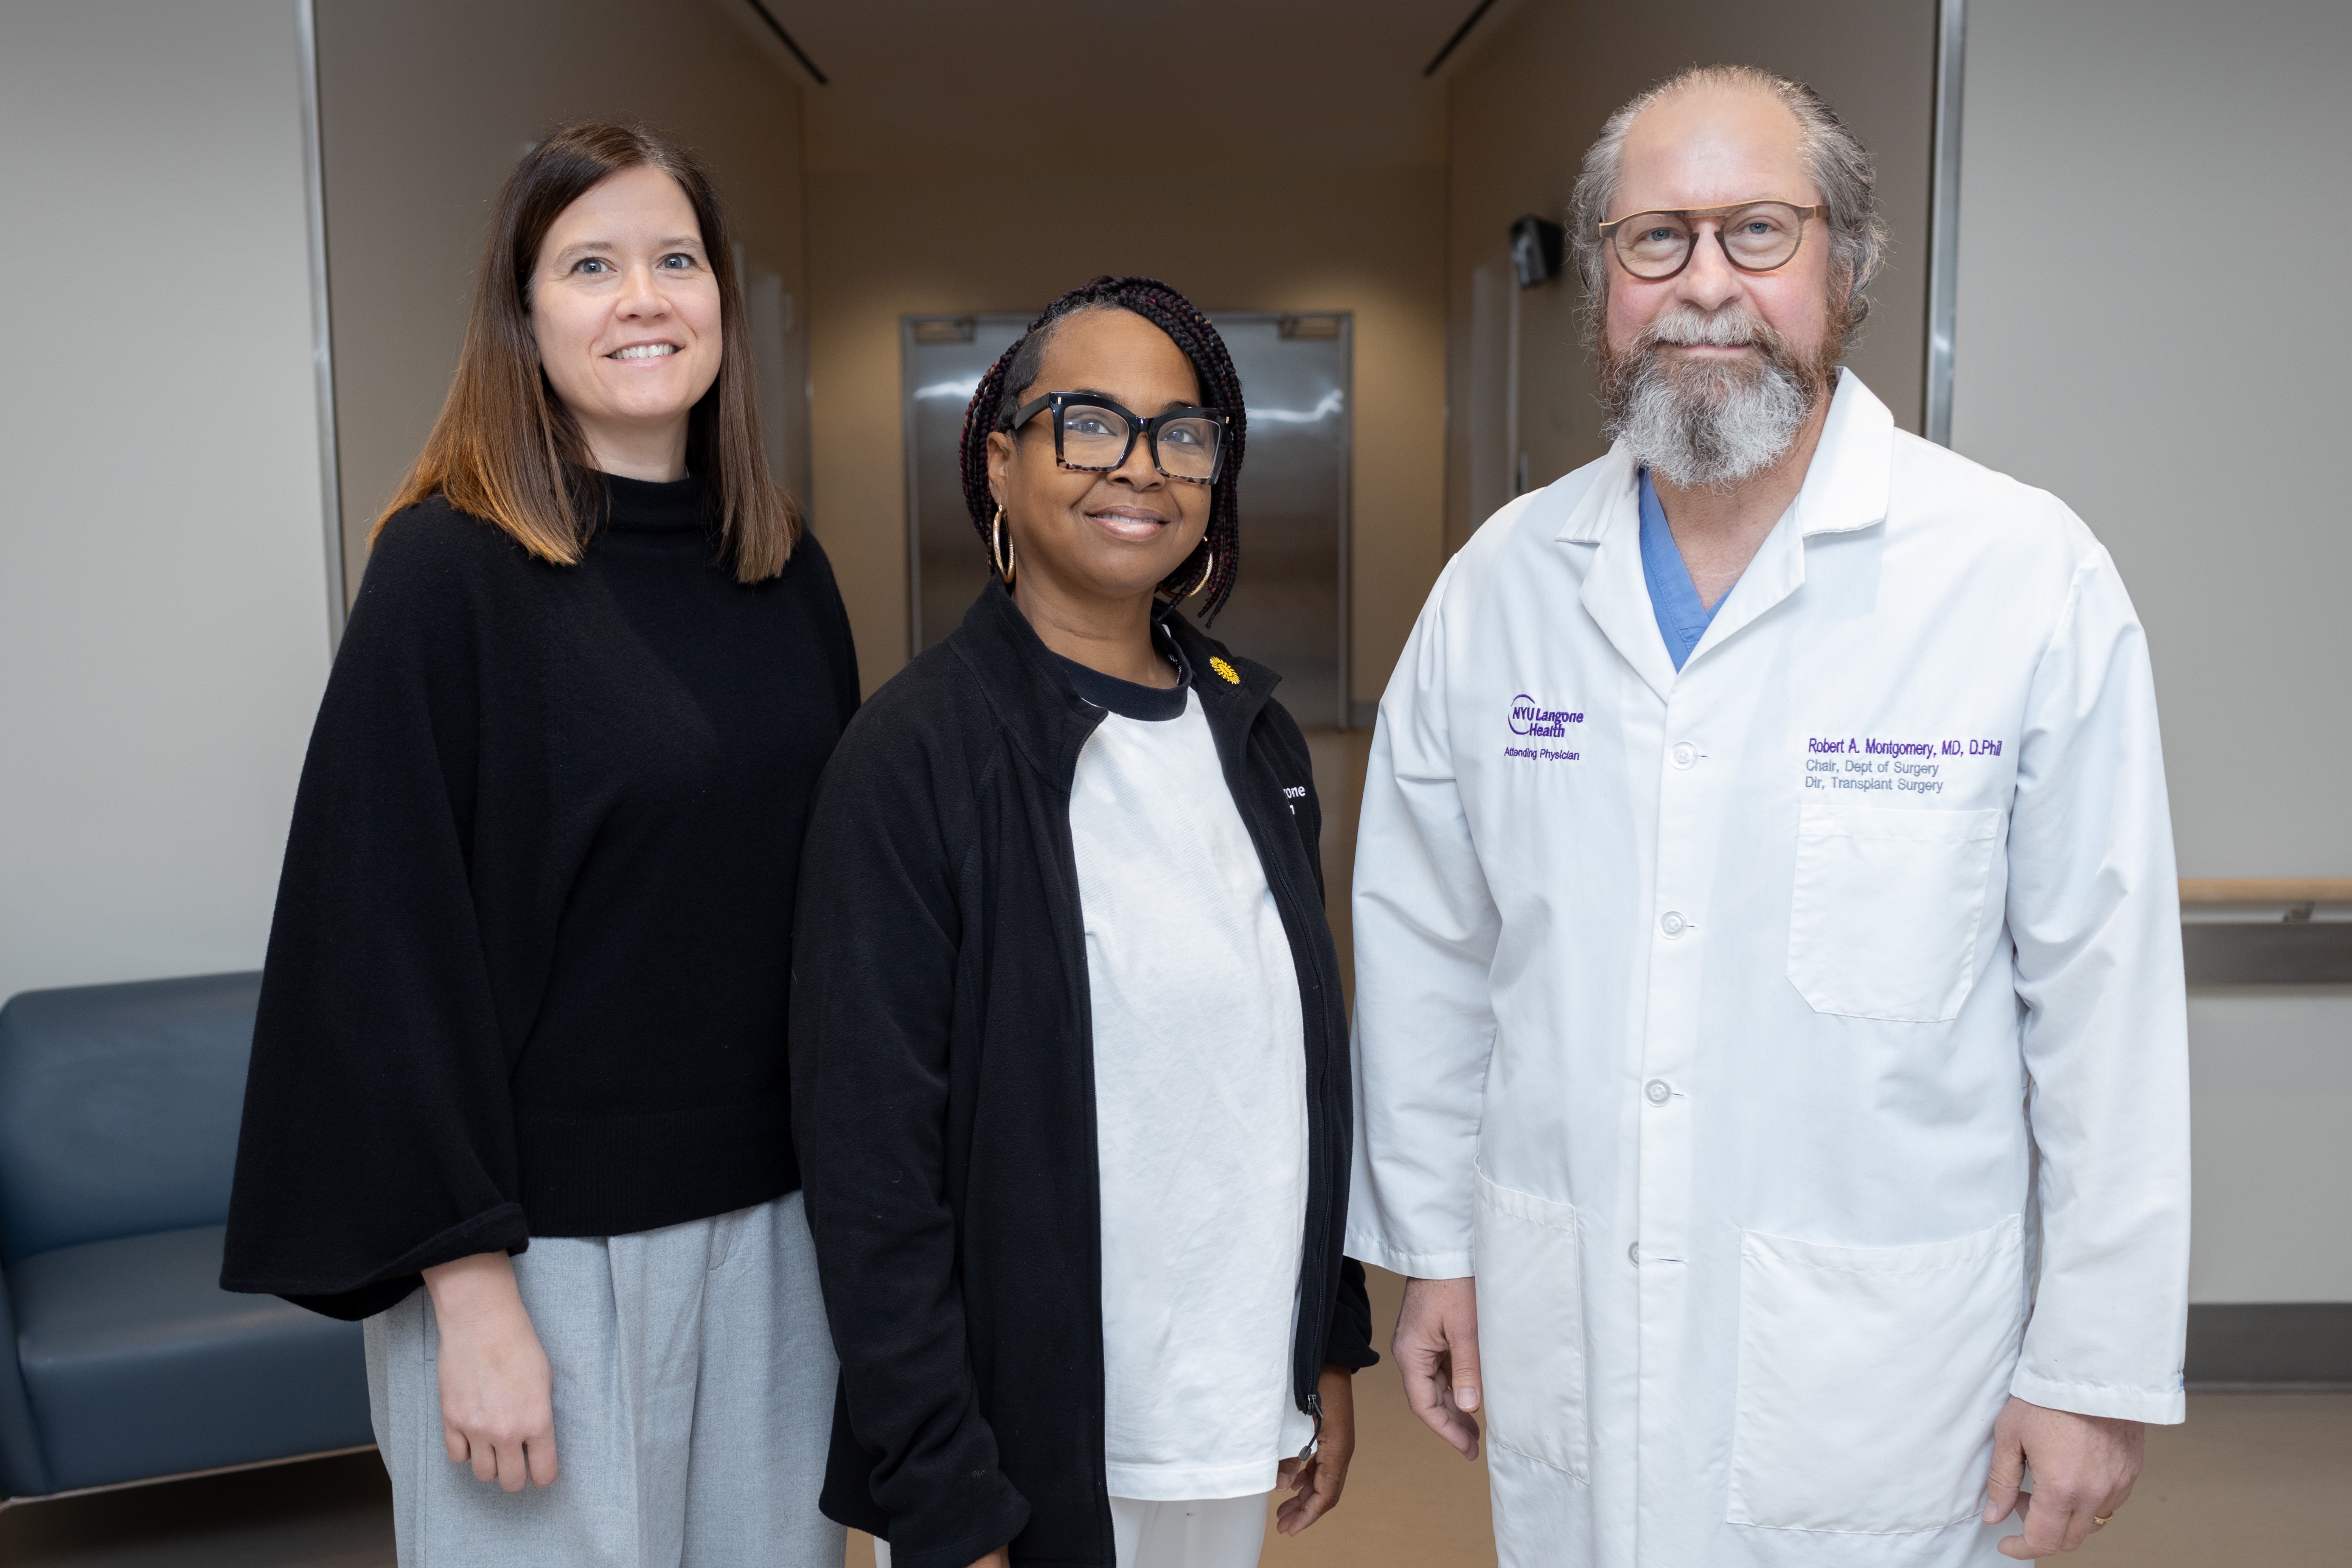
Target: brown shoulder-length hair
x: 506, y: 449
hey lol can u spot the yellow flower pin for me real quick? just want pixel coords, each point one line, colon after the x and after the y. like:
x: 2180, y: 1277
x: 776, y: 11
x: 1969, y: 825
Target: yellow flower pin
x: 1222, y: 667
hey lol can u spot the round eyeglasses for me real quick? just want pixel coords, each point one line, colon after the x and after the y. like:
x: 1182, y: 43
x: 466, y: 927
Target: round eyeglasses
x: 1093, y: 435
x: 1756, y: 236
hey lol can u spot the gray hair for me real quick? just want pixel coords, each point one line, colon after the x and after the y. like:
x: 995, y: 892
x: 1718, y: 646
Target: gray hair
x: 1835, y: 156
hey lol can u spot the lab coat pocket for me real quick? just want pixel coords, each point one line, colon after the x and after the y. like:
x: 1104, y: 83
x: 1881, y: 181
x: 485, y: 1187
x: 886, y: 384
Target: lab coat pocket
x: 1882, y: 923
x: 1869, y: 1380
x: 1531, y: 1326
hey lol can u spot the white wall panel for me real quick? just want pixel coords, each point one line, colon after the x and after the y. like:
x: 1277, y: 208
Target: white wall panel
x: 2156, y: 209
x: 2155, y: 205
x: 2272, y: 1071
x: 162, y: 574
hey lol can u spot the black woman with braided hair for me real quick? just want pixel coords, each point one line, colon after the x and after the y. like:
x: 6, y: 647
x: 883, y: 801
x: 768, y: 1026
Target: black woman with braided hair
x: 1069, y: 1059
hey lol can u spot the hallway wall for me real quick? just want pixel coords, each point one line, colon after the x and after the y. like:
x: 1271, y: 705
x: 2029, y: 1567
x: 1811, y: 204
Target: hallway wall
x: 163, y: 587
x: 923, y: 240
x: 2140, y: 384
x: 425, y: 107
x: 2143, y: 387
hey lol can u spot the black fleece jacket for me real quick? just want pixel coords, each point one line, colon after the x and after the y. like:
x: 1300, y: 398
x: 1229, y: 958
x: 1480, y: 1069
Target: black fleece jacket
x: 529, y: 968
x: 943, y: 1090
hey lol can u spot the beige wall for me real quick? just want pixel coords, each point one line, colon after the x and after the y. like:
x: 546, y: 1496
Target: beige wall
x: 426, y: 105
x: 1531, y: 96
x: 164, y: 590
x: 924, y: 239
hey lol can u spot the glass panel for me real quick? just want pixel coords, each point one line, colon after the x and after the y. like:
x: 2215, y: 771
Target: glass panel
x: 1288, y: 610
x: 942, y: 368
x: 1495, y: 306
x: 769, y: 310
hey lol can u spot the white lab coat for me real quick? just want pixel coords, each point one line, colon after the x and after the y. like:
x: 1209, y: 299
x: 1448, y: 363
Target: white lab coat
x: 1794, y: 1047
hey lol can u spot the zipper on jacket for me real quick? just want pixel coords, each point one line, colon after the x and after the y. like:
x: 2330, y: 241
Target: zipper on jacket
x: 1084, y: 1010
x: 1318, y: 1286
x: 1315, y: 1304
x: 1315, y: 1439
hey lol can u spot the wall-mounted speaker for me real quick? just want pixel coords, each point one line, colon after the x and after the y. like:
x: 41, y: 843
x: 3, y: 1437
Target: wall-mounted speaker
x: 1538, y: 247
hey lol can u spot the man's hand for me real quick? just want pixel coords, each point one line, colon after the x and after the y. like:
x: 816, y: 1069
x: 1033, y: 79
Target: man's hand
x: 497, y: 1392
x: 1317, y: 1480
x: 999, y: 1557
x: 2083, y: 1468
x: 1436, y: 1348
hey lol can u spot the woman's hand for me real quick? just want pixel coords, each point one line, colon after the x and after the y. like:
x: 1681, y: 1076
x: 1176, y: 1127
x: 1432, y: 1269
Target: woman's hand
x: 999, y: 1557
x: 1315, y: 1482
x: 496, y: 1394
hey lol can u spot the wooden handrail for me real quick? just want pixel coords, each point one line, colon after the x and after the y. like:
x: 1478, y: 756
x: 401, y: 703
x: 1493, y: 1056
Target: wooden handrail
x: 2266, y: 889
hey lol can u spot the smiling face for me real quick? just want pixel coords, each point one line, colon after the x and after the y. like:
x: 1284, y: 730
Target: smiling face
x: 1712, y: 376
x: 626, y: 309
x: 1108, y: 536
x: 1711, y: 146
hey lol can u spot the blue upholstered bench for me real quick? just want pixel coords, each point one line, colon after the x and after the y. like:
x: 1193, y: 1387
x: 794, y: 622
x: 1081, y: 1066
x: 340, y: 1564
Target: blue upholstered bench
x: 119, y: 1108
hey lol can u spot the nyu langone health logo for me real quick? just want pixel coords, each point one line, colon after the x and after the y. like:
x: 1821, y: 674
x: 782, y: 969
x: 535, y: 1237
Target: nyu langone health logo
x: 1530, y: 717
x: 1538, y: 722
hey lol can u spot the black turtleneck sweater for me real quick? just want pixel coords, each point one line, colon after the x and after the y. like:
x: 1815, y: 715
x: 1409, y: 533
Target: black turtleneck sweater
x: 531, y: 959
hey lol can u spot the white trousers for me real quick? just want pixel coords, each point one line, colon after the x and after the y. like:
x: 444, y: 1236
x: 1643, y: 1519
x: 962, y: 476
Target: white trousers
x: 694, y: 1381
x: 1221, y: 1532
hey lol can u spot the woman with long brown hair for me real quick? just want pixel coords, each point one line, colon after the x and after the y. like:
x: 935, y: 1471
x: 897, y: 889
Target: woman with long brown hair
x: 521, y: 1035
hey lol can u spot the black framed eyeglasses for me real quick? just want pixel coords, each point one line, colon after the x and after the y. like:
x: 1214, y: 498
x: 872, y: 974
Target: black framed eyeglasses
x: 1756, y: 236
x: 1093, y: 435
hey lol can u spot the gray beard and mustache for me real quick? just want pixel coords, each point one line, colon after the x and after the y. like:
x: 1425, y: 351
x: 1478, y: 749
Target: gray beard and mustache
x: 1709, y: 424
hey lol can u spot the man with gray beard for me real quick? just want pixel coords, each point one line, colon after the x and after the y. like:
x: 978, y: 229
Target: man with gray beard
x: 1771, y: 1048
x: 1713, y: 424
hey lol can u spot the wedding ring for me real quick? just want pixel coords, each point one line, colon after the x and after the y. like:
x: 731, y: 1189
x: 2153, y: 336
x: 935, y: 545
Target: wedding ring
x: 2099, y: 1519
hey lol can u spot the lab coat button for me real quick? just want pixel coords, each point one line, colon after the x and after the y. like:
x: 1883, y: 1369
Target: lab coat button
x: 1672, y: 923
x: 1684, y: 755
x: 1658, y: 1091
x: 1633, y: 1255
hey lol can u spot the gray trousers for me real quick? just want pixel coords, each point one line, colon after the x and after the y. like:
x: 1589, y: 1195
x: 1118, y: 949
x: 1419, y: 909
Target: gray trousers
x: 694, y: 1381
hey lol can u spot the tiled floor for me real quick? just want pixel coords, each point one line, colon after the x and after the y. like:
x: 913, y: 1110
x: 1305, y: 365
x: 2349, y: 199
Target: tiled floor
x: 2253, y: 1480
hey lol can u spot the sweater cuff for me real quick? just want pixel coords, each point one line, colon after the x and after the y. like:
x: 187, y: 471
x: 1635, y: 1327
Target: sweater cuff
x: 502, y: 1229
x: 1349, y: 1341
x: 1006, y: 1517
x: 499, y: 1229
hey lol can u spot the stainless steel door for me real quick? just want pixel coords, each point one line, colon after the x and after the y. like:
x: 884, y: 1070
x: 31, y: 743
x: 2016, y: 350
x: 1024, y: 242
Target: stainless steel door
x: 1289, y: 610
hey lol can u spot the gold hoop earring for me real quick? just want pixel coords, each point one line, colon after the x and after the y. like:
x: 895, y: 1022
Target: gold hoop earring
x: 1207, y: 571
x: 1000, y: 549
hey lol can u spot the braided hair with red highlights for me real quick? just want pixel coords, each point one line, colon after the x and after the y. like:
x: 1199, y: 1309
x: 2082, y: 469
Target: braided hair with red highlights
x: 998, y: 398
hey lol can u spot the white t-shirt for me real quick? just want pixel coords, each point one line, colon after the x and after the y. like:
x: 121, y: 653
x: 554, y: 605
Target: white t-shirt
x: 1200, y: 1106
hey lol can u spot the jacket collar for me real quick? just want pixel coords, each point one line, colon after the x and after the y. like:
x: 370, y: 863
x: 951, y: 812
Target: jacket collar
x: 1852, y: 472
x: 1845, y: 489
x: 1231, y: 689
x: 1048, y: 720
